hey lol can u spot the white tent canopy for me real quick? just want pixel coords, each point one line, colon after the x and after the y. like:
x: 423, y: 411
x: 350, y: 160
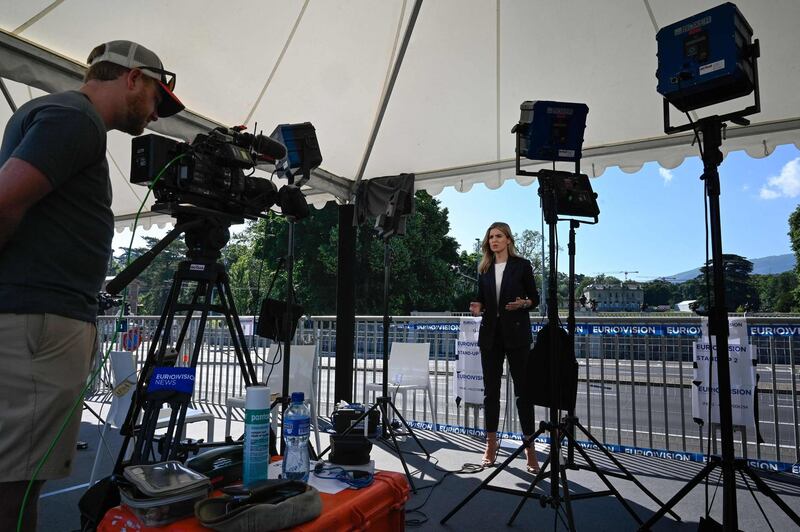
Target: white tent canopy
x: 467, y: 67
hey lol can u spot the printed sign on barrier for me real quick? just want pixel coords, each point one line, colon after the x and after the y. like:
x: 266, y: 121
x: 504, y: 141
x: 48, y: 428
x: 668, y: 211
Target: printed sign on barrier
x: 468, y: 376
x: 742, y: 369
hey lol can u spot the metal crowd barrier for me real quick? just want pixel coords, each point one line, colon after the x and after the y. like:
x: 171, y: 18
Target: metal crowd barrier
x: 634, y: 389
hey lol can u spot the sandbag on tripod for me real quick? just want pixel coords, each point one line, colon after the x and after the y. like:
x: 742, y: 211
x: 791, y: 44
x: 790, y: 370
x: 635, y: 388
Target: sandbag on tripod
x: 539, y: 370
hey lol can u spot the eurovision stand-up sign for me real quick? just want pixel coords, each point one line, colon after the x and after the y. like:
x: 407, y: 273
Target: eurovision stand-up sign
x: 742, y: 359
x: 468, y: 377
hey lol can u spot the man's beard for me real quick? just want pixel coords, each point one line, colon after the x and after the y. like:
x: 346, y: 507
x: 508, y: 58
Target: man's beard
x: 136, y: 114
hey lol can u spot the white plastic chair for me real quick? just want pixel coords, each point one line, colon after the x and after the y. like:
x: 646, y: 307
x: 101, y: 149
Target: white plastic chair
x: 408, y: 371
x: 123, y: 369
x: 302, y: 378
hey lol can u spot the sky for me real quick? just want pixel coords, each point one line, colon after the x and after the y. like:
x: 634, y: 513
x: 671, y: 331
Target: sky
x: 651, y: 222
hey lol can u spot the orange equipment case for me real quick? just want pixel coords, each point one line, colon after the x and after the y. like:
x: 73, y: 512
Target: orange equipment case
x: 379, y: 507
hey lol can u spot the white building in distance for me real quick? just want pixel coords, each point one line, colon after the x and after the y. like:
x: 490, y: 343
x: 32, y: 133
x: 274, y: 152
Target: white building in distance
x: 627, y: 297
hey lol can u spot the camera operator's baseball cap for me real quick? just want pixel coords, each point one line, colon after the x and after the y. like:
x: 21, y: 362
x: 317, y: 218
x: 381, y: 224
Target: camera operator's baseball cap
x: 132, y: 55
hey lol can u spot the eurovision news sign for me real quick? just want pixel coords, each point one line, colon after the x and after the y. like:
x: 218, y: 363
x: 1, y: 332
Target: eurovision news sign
x: 742, y: 360
x: 468, y: 376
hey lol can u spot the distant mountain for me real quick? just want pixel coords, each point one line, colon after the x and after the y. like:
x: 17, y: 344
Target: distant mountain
x: 761, y: 266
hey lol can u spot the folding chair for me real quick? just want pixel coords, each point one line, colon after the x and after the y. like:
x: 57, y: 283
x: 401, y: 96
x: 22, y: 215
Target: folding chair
x: 408, y: 372
x: 302, y: 378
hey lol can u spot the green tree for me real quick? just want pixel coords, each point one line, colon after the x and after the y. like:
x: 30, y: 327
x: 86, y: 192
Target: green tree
x: 660, y: 292
x: 776, y: 292
x: 156, y: 279
x: 466, y: 282
x: 529, y: 245
x: 422, y: 277
x: 794, y: 238
x: 740, y: 292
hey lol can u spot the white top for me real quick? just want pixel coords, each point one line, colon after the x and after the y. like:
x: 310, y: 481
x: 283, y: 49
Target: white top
x: 499, y: 268
x: 256, y: 398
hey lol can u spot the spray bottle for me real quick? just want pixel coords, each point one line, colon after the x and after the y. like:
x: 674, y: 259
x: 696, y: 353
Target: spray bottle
x: 256, y: 434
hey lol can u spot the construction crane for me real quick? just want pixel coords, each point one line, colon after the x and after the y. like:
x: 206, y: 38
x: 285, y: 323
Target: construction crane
x: 623, y: 272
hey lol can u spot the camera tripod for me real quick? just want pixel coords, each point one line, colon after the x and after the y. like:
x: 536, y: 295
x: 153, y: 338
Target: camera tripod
x: 384, y: 403
x: 207, y: 232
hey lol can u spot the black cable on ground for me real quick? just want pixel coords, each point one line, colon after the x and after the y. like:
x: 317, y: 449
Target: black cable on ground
x: 466, y: 469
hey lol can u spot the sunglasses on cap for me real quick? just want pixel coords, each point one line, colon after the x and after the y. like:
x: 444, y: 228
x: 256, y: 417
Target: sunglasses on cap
x: 167, y: 77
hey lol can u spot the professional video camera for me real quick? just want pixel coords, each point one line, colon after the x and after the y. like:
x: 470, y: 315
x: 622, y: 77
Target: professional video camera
x: 209, y: 171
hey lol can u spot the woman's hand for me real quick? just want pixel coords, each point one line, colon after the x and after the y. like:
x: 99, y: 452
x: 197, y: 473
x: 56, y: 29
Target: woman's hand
x: 518, y: 304
x: 475, y: 308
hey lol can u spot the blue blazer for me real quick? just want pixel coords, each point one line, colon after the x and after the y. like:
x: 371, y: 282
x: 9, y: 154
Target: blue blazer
x: 515, y: 325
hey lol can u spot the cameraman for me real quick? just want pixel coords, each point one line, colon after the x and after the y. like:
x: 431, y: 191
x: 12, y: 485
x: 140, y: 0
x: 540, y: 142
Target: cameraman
x: 56, y: 227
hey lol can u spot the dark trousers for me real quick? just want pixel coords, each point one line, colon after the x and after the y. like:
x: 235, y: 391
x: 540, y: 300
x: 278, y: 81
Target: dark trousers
x: 492, y: 364
x: 11, y: 495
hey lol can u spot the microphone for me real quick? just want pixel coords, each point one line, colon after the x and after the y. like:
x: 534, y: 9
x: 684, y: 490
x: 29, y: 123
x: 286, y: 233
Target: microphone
x: 266, y: 147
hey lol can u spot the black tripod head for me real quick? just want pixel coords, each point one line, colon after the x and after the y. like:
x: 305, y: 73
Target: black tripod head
x: 207, y: 232
x: 204, y: 242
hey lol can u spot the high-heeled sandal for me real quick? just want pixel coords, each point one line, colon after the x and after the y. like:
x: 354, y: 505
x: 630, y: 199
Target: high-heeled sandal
x: 531, y: 451
x: 489, y: 452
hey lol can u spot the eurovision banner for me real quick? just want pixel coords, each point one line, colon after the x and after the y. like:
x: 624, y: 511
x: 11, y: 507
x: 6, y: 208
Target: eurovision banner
x: 742, y: 360
x: 468, y: 376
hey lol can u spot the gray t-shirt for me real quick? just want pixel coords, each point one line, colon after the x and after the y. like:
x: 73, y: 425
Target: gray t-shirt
x: 56, y: 260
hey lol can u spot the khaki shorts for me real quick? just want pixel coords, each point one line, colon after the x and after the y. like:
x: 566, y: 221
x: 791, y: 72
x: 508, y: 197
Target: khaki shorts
x: 44, y: 362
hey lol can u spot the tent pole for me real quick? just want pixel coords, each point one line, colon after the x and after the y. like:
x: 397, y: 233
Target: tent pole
x: 7, y: 94
x: 388, y: 93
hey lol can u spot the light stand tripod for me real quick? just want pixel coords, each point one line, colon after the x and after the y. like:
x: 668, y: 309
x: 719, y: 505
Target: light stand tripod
x: 206, y: 234
x: 566, y: 428
x: 551, y: 189
x: 557, y: 474
x: 711, y: 129
x: 384, y: 403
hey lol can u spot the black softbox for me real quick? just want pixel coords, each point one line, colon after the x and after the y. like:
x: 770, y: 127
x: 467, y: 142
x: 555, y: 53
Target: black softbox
x: 539, y: 370
x: 272, y: 320
x: 390, y: 200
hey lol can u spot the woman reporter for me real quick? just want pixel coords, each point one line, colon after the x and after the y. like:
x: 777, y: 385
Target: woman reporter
x: 506, y: 293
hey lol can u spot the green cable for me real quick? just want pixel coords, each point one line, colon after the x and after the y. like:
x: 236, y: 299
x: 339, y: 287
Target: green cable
x: 79, y: 399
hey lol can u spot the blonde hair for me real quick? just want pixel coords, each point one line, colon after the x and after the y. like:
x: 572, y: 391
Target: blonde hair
x: 488, y: 255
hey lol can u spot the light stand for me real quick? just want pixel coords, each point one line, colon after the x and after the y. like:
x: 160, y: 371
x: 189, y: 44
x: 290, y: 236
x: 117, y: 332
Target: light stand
x: 304, y: 155
x: 285, y: 398
x: 384, y: 403
x: 576, y: 199
x: 711, y: 129
x: 573, y: 225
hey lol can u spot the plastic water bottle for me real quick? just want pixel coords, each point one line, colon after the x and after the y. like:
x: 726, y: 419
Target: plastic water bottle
x: 256, y: 434
x: 296, y: 429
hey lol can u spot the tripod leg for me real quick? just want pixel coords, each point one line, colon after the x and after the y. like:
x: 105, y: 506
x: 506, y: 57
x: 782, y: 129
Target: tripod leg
x: 567, y: 500
x: 539, y: 476
x: 607, y: 482
x: 237, y: 333
x: 755, y: 499
x: 410, y: 431
x: 622, y: 468
x: 766, y: 490
x: 398, y: 451
x: 487, y: 480
x: 709, y: 467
